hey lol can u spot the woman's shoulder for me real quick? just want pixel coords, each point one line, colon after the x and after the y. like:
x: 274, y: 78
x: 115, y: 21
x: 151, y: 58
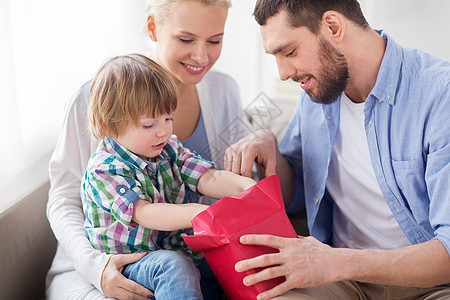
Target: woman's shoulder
x: 79, y: 102
x: 219, y: 79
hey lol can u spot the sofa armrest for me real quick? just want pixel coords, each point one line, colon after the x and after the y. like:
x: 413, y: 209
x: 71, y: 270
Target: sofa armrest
x: 27, y: 246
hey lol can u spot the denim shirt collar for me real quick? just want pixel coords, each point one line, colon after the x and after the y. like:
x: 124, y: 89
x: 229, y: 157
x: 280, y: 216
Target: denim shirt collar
x: 388, y: 74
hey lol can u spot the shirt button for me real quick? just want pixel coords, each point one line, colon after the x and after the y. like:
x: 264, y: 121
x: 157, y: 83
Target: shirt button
x: 317, y: 201
x: 122, y: 190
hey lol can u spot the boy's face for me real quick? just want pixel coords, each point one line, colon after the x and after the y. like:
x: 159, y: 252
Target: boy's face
x: 149, y: 137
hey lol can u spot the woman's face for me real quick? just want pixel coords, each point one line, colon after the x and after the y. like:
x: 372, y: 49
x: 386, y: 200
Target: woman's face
x: 189, y: 41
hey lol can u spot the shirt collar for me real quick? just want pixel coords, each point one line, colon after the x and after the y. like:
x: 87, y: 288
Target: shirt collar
x: 127, y: 155
x: 389, y: 72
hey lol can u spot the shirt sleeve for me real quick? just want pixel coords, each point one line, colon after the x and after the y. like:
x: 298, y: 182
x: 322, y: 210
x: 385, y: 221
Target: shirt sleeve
x: 114, y: 190
x: 191, y: 166
x: 291, y: 148
x: 437, y: 171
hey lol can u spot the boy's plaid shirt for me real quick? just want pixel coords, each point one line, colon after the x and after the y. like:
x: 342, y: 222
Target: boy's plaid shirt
x: 116, y: 179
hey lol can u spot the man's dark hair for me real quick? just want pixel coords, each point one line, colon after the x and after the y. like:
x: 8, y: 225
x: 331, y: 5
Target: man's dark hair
x: 308, y: 13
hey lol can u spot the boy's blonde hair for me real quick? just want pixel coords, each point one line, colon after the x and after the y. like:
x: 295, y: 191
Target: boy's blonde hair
x: 126, y: 88
x: 160, y: 9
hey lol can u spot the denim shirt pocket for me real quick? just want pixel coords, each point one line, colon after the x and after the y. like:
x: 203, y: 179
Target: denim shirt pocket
x: 410, y: 178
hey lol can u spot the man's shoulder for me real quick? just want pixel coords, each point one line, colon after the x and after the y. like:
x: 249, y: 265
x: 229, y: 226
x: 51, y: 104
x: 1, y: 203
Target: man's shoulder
x: 424, y: 66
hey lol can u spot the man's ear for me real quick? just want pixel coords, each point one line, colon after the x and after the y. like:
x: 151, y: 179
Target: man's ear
x: 333, y: 25
x: 151, y: 28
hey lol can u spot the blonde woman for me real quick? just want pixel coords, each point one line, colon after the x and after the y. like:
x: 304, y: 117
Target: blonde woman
x: 188, y: 37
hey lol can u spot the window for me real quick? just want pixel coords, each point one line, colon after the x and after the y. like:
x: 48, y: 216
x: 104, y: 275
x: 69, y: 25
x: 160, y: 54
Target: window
x: 48, y: 49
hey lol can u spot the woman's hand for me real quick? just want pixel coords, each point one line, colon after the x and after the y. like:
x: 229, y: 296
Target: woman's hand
x: 115, y: 285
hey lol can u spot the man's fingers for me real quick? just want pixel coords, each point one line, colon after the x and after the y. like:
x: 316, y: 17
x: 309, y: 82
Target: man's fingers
x: 236, y: 164
x: 270, y: 167
x: 265, y: 274
x: 275, y: 291
x: 263, y: 240
x: 261, y: 261
x: 228, y: 159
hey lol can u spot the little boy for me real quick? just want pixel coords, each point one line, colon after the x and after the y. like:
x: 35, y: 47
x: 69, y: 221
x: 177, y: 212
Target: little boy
x: 135, y: 183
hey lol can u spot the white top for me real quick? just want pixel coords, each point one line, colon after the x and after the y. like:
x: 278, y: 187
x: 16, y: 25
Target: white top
x: 222, y: 113
x: 361, y: 217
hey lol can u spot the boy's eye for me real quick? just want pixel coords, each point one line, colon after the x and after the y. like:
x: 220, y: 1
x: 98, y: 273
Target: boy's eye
x: 148, y: 126
x: 169, y: 119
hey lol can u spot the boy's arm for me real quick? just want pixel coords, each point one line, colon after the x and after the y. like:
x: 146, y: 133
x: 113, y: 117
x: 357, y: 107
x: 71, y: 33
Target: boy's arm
x: 219, y: 183
x: 166, y: 216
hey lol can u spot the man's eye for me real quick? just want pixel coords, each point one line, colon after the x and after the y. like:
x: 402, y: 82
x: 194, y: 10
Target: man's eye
x: 290, y: 53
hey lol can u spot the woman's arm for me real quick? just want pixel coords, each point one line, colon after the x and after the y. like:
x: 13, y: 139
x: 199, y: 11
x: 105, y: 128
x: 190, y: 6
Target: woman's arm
x: 64, y: 207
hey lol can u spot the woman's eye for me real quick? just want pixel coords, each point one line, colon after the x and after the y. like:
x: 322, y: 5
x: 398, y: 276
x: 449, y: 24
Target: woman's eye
x: 184, y: 40
x: 214, y: 42
x: 169, y: 119
x: 148, y: 126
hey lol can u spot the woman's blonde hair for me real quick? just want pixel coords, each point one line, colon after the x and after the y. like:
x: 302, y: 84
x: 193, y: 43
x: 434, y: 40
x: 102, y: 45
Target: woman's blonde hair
x: 161, y: 9
x: 126, y: 88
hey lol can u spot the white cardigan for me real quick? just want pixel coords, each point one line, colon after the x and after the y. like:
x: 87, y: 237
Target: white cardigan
x: 224, y: 123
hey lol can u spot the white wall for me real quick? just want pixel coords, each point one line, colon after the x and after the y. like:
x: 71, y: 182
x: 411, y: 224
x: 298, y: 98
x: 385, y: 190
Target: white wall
x: 49, y: 47
x: 412, y: 23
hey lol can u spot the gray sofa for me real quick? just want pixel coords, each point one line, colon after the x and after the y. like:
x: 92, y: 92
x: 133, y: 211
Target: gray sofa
x: 27, y: 247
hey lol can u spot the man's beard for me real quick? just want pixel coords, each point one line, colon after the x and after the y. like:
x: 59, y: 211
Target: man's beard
x: 333, y: 74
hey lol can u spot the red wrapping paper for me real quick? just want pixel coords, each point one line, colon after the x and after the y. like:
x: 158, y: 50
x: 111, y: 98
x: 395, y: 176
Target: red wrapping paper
x: 258, y: 210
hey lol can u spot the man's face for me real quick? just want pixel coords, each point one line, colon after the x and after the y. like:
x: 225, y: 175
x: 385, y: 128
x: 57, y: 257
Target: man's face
x: 308, y: 59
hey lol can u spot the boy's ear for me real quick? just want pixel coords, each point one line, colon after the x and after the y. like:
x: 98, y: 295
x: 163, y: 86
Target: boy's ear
x: 151, y: 28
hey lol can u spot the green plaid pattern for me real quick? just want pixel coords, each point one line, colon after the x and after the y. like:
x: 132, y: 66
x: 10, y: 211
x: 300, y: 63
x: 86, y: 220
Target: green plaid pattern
x: 116, y: 179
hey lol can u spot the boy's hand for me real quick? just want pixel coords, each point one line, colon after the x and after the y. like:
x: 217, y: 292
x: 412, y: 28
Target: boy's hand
x: 197, y: 208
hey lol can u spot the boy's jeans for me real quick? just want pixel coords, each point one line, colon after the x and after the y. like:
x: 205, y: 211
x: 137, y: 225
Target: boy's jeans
x: 170, y: 274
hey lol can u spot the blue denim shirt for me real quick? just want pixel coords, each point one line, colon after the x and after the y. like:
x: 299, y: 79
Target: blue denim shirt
x: 407, y: 124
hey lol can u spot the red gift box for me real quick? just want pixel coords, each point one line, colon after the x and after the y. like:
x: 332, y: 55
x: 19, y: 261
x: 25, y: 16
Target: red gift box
x: 258, y: 210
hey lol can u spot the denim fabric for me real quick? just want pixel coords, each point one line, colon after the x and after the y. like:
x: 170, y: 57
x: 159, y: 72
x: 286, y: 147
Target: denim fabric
x: 170, y: 274
x: 407, y: 128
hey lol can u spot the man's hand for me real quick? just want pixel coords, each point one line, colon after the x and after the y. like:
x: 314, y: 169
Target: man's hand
x: 115, y: 285
x: 305, y: 262
x: 259, y: 146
